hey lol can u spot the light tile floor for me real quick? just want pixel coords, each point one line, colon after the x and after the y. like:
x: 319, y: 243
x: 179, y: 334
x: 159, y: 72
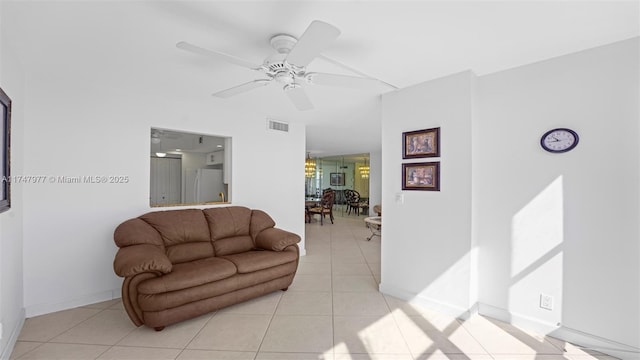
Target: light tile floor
x: 333, y: 310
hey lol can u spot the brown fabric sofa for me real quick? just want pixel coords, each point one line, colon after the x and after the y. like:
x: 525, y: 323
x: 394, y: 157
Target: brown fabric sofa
x: 179, y: 264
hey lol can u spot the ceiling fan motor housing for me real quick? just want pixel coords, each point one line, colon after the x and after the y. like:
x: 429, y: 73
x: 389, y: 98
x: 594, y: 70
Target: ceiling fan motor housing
x: 280, y: 70
x: 283, y: 43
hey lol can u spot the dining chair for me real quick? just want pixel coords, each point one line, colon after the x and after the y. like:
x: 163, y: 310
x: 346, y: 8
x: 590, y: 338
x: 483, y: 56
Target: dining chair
x: 324, y: 208
x: 353, y: 202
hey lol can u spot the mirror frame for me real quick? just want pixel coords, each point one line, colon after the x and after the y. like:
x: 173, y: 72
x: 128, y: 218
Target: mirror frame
x: 5, y: 136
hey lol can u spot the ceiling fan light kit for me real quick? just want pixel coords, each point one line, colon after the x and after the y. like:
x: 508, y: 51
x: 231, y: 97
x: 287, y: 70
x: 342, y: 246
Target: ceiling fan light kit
x: 288, y: 66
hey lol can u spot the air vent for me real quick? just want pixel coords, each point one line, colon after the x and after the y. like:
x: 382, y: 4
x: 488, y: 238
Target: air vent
x: 277, y: 125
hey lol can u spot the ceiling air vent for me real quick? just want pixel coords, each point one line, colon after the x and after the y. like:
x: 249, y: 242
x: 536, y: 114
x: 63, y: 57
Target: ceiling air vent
x: 277, y: 125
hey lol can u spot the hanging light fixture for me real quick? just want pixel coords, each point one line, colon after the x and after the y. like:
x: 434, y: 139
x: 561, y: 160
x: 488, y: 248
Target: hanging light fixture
x: 364, y: 170
x: 309, y: 166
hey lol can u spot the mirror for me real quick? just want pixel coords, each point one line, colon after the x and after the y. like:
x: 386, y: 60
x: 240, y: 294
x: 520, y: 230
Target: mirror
x: 339, y: 173
x: 189, y: 168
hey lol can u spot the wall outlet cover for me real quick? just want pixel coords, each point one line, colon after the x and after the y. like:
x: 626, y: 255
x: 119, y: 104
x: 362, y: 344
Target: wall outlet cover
x: 546, y: 302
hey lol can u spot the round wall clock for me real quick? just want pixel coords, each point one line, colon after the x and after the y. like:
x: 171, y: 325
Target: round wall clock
x: 559, y: 140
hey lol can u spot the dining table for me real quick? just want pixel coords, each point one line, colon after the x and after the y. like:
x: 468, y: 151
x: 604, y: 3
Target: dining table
x: 308, y: 204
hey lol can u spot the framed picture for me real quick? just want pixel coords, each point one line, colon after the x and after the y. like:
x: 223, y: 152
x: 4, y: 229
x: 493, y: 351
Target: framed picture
x: 336, y: 179
x: 421, y: 143
x: 421, y: 176
x: 5, y: 137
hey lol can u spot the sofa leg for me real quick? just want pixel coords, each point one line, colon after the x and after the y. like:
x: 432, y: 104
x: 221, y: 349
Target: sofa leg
x: 285, y: 289
x: 159, y: 328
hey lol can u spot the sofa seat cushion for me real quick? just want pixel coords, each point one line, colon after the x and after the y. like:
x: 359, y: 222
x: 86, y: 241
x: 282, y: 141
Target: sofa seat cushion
x: 173, y: 299
x: 256, y: 260
x: 189, y: 274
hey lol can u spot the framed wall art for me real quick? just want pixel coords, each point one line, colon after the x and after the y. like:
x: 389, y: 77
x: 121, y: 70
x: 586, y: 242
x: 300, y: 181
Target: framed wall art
x: 5, y: 155
x: 421, y: 176
x: 421, y: 143
x: 336, y: 179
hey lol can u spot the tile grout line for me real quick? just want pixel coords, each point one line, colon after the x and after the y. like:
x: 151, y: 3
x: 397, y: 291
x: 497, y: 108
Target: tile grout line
x: 197, y: 333
x: 50, y: 341
x: 74, y: 326
x: 398, y: 326
x: 122, y: 338
x: 333, y: 315
x: 101, y: 310
x: 474, y: 338
x: 23, y: 355
x: 269, y: 324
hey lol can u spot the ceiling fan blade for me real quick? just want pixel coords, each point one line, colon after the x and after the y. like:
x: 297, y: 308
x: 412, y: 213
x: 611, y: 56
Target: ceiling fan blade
x: 218, y: 55
x: 341, y: 80
x: 242, y: 88
x: 298, y: 97
x: 318, y: 36
x: 344, y: 66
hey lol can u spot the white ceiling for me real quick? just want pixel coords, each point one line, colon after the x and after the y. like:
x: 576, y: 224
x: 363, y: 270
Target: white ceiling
x: 131, y: 45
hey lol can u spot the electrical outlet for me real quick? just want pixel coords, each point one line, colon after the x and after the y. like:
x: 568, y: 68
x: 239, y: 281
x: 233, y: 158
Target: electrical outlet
x: 546, y: 302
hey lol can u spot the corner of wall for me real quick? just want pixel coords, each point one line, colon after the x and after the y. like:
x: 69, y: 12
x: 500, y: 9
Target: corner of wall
x: 7, y: 350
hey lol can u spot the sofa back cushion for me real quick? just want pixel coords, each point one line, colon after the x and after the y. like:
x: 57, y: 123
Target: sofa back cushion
x: 230, y: 229
x: 136, y: 232
x: 233, y: 245
x: 185, y: 233
x: 260, y: 221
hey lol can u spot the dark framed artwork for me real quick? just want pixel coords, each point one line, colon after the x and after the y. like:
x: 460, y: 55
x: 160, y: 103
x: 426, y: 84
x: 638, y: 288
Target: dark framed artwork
x: 421, y: 143
x: 421, y: 176
x: 5, y: 165
x: 336, y: 179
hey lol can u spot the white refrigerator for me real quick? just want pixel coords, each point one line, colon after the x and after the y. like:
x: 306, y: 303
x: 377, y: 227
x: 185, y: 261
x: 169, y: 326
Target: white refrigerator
x: 203, y: 185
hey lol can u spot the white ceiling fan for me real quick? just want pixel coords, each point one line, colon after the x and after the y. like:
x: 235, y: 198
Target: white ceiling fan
x: 288, y: 66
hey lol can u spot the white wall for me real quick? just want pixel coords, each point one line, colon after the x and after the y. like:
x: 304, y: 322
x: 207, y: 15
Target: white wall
x: 513, y: 221
x: 426, y: 239
x: 68, y: 227
x: 82, y: 125
x: 562, y: 224
x: 11, y: 236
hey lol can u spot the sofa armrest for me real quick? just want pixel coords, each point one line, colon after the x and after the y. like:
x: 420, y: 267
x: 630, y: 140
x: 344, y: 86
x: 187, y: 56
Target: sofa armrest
x: 137, y: 259
x: 276, y: 239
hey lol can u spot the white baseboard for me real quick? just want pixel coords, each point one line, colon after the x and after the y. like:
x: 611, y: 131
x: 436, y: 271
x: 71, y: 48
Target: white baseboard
x: 426, y: 302
x: 593, y: 342
x: 15, y: 333
x: 588, y: 341
x: 518, y: 320
x: 41, y: 309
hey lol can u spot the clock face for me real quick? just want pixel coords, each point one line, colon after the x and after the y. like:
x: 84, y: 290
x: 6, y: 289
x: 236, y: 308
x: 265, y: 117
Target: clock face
x: 559, y: 140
